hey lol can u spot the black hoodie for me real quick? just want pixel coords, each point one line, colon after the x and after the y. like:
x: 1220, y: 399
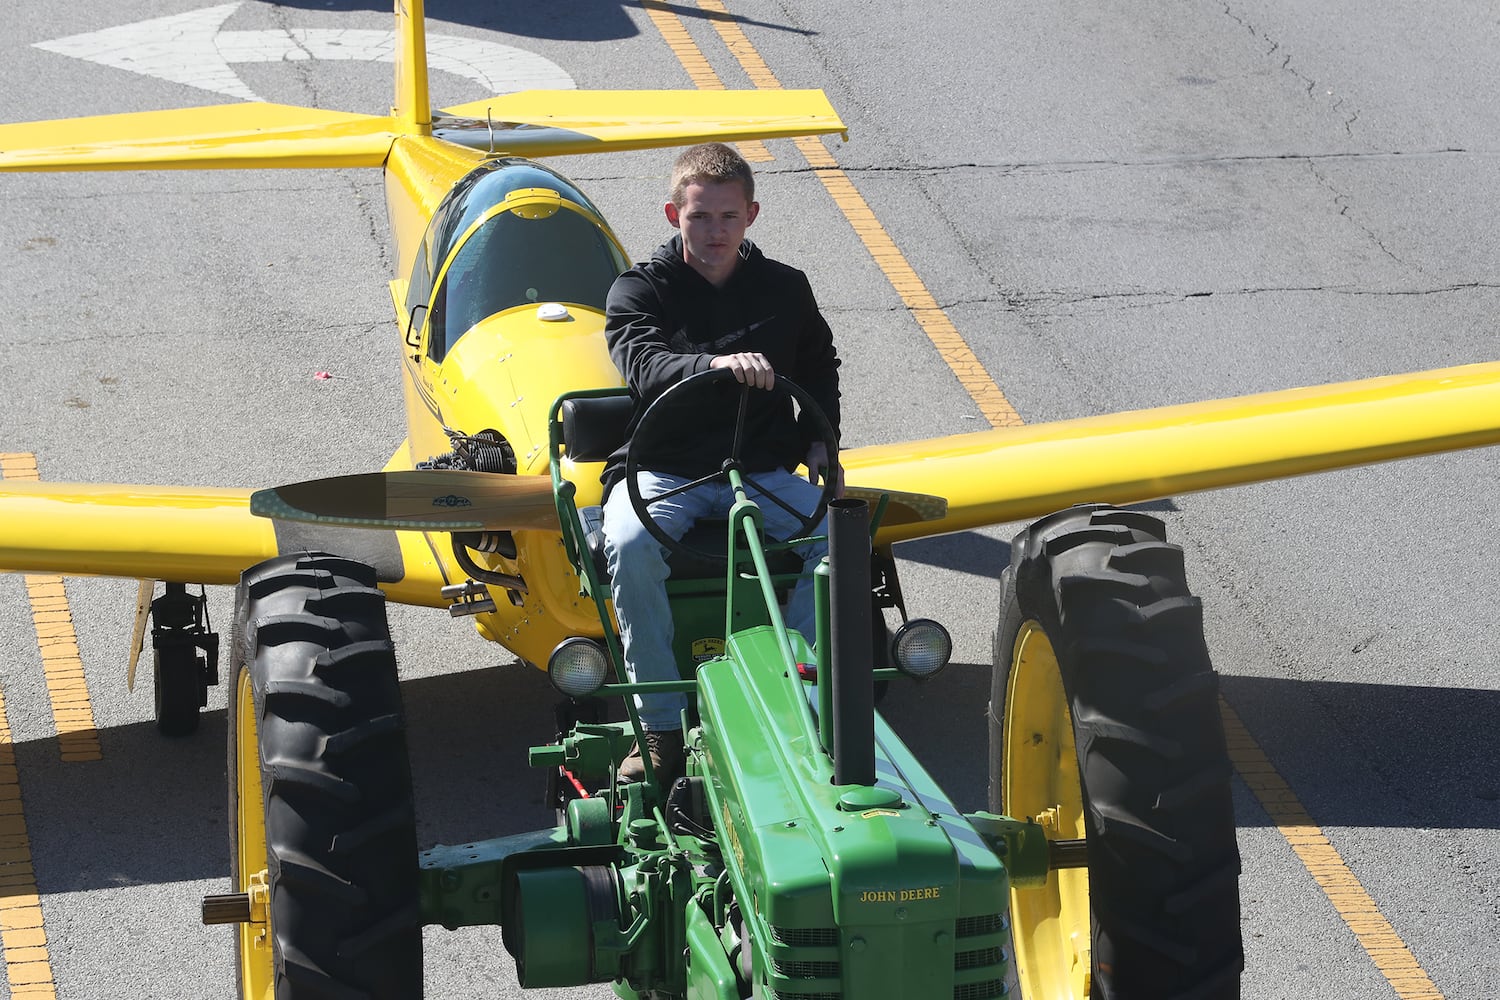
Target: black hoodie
x: 664, y: 321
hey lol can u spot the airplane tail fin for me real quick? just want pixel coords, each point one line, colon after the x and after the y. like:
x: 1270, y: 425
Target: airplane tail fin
x: 412, y: 108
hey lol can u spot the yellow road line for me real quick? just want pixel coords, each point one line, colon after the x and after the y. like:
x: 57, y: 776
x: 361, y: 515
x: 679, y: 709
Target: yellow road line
x: 1386, y: 949
x: 934, y: 322
x: 698, y: 70
x: 72, y: 713
x: 28, y: 969
x: 1373, y: 931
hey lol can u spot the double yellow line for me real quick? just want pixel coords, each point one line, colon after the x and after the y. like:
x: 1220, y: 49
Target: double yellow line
x: 28, y: 968
x: 1390, y: 954
x: 72, y: 712
x: 23, y: 938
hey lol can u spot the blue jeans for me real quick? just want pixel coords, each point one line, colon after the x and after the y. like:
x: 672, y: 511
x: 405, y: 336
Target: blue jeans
x: 638, y: 568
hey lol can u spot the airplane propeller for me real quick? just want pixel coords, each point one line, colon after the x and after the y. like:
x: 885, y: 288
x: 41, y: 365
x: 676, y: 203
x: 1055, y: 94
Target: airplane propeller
x: 902, y: 507
x: 420, y: 500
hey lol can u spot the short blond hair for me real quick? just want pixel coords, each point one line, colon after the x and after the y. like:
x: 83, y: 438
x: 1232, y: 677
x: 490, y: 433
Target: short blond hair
x: 710, y: 163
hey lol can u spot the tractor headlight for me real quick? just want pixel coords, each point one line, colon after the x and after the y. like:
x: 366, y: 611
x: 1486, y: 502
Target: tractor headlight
x: 578, y: 667
x: 921, y: 648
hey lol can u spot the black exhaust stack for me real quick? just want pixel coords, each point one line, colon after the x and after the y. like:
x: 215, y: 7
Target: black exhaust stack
x: 852, y: 660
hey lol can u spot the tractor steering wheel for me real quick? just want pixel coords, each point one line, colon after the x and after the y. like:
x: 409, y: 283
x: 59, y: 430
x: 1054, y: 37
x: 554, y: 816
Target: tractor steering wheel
x: 653, y: 425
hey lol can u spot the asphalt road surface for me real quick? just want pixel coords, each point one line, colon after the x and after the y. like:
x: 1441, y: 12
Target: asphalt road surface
x: 1117, y: 205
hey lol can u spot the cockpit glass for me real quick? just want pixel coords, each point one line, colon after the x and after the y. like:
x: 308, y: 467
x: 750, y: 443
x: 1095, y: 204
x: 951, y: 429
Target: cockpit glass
x: 516, y: 260
x: 564, y: 244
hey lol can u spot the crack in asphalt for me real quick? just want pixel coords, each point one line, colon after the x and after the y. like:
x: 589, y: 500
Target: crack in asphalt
x: 1039, y: 303
x: 1310, y: 84
x: 1185, y: 160
x: 75, y: 197
x: 1167, y: 297
x: 114, y: 336
x: 1006, y: 167
x: 302, y: 69
x: 1342, y: 202
x: 299, y: 66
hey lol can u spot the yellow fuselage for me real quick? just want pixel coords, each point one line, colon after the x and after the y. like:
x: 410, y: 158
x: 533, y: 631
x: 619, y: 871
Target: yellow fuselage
x: 502, y: 374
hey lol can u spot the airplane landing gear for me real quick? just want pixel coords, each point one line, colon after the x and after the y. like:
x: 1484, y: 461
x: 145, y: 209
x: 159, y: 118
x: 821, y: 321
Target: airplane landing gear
x: 185, y: 660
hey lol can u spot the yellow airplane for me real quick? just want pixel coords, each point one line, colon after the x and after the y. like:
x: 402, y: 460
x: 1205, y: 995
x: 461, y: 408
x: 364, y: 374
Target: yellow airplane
x: 502, y: 268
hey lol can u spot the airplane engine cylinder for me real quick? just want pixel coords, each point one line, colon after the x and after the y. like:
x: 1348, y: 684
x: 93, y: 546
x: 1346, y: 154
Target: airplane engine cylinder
x: 492, y: 458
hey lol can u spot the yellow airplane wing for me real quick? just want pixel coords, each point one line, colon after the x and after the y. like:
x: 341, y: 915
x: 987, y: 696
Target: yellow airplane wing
x: 199, y: 535
x: 558, y: 122
x: 1022, y: 473
x: 221, y: 135
x: 209, y: 535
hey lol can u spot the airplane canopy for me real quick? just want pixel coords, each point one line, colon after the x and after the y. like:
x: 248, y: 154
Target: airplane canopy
x: 511, y: 233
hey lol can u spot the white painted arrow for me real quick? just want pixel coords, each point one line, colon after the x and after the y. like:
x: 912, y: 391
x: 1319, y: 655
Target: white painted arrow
x: 191, y: 49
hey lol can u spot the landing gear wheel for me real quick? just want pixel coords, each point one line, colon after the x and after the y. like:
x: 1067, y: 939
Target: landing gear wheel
x: 177, y: 676
x: 185, y: 654
x: 1104, y: 724
x: 322, y: 822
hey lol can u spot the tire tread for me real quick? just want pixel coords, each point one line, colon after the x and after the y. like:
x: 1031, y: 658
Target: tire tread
x: 339, y: 814
x: 1111, y: 595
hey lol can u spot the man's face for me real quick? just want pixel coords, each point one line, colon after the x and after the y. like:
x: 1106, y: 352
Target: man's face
x: 713, y: 219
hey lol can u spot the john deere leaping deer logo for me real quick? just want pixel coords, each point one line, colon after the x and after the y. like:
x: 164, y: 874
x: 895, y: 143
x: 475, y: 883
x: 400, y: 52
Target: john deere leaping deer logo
x: 707, y: 649
x: 452, y: 500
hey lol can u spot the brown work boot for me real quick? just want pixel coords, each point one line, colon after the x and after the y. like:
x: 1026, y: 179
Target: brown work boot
x: 665, y: 748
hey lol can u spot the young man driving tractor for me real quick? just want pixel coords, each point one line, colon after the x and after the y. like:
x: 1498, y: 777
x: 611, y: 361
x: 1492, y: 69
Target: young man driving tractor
x: 709, y: 299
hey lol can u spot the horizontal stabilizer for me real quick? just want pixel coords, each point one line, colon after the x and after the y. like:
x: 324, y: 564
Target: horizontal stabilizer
x: 426, y: 500
x: 219, y: 136
x: 559, y: 122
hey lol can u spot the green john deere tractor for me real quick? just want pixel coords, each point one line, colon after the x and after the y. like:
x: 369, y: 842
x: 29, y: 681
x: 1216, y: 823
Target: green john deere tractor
x: 805, y: 854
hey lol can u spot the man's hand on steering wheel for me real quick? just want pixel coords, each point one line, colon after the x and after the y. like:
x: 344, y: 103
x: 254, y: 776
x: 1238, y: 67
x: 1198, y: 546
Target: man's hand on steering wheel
x: 753, y: 369
x: 749, y: 368
x: 818, y: 468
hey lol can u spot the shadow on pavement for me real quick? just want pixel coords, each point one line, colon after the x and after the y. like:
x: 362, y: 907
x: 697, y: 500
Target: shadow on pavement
x: 153, y: 810
x: 578, y: 20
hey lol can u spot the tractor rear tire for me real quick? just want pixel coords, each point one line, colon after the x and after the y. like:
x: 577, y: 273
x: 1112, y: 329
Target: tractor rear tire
x: 1105, y: 724
x: 320, y: 798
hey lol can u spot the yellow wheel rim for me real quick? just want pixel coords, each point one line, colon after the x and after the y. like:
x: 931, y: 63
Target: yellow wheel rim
x: 1039, y: 779
x: 256, y: 966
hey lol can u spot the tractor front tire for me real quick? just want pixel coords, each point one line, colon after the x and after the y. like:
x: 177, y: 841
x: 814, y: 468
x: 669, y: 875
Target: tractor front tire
x: 320, y: 800
x: 1105, y: 725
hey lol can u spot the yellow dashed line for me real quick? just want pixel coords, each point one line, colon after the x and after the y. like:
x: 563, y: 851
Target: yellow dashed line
x: 28, y: 969
x: 934, y: 322
x: 698, y: 70
x: 72, y: 713
x: 1374, y: 933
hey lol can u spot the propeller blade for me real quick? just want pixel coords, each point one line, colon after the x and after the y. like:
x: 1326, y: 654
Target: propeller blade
x: 415, y: 500
x: 904, y: 508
